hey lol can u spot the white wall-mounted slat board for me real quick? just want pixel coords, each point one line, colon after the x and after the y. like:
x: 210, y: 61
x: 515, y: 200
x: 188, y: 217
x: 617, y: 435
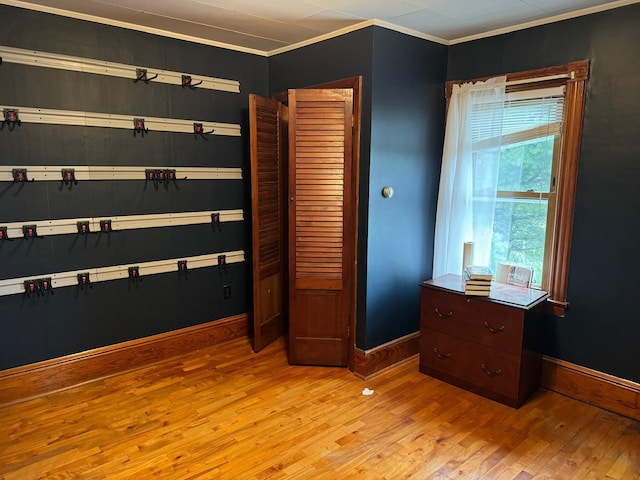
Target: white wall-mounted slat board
x: 99, y: 67
x: 114, y: 120
x: 129, y: 222
x: 54, y: 172
x: 13, y: 286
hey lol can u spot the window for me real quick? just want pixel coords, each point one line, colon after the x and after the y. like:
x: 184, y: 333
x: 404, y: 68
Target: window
x: 522, y: 213
x: 526, y: 207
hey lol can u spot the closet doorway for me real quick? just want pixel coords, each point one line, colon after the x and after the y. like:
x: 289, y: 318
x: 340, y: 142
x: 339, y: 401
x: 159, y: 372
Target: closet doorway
x: 305, y: 148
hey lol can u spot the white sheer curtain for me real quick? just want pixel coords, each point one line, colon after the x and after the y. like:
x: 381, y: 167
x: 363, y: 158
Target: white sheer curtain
x: 466, y: 198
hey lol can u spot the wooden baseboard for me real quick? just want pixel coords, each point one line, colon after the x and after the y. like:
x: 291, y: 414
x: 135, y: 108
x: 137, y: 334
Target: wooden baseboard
x: 21, y: 383
x: 28, y: 381
x: 590, y: 386
x: 372, y: 362
x: 584, y: 384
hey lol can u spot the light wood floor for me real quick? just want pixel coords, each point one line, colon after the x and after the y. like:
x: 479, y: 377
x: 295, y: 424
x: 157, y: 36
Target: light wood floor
x: 227, y: 413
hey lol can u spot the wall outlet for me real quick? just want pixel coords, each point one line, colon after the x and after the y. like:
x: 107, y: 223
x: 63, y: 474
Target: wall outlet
x: 226, y: 291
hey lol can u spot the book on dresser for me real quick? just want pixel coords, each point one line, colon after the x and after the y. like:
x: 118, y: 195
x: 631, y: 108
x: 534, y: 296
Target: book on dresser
x: 476, y: 272
x: 477, y: 281
x: 477, y: 291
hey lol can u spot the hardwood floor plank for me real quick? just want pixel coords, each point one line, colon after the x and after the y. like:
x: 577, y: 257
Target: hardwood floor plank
x: 225, y: 412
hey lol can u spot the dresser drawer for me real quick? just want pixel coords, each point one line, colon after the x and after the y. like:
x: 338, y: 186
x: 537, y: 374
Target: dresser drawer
x: 487, y: 368
x: 488, y: 323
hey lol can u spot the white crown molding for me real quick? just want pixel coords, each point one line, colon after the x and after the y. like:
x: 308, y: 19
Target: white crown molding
x: 320, y: 38
x: 544, y: 21
x: 413, y: 33
x: 355, y: 27
x: 130, y: 26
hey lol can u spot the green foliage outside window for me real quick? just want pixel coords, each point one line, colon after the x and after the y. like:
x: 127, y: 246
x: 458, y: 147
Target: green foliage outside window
x: 526, y: 166
x: 519, y: 224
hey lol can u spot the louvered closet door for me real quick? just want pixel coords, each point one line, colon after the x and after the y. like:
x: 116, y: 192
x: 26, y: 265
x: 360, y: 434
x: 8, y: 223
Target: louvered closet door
x: 268, y: 184
x: 320, y: 223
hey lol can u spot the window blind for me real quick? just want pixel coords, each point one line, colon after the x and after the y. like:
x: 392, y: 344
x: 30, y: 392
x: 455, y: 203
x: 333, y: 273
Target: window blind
x: 524, y: 116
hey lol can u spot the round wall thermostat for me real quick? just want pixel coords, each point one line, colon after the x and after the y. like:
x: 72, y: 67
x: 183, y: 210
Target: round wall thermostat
x: 387, y: 192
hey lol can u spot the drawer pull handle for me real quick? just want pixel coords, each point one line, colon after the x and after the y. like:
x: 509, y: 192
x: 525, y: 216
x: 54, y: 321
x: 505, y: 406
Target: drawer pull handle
x: 494, y: 330
x: 443, y: 315
x: 494, y: 373
x: 440, y: 355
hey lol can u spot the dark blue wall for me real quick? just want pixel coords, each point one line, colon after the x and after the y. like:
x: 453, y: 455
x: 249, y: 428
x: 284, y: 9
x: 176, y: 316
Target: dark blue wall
x: 407, y: 130
x: 33, y: 329
x: 341, y: 57
x: 601, y: 328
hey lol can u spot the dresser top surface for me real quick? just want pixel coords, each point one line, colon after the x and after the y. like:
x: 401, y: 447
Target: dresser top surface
x: 501, y: 293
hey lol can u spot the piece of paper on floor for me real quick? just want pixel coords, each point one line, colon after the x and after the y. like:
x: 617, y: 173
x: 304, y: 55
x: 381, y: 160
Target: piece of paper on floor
x: 366, y: 391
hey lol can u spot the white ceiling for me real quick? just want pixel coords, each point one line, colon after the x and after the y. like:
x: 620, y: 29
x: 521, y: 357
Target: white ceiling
x: 271, y: 26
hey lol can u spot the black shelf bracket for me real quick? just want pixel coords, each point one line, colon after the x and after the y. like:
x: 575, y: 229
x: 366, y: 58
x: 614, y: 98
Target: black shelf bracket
x: 20, y: 175
x: 187, y: 81
x: 198, y: 129
x: 138, y: 127
x: 68, y: 177
x: 84, y: 280
x: 142, y: 76
x: 11, y: 118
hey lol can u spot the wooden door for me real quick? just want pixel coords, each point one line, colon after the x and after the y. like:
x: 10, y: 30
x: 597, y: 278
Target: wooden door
x: 268, y: 202
x: 321, y: 223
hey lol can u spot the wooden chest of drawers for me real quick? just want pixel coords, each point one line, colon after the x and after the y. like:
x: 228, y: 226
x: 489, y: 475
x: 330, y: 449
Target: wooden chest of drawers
x: 489, y: 346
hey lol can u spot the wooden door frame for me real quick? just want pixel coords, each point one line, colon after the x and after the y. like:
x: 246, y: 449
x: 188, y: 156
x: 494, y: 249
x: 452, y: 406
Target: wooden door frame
x: 355, y: 84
